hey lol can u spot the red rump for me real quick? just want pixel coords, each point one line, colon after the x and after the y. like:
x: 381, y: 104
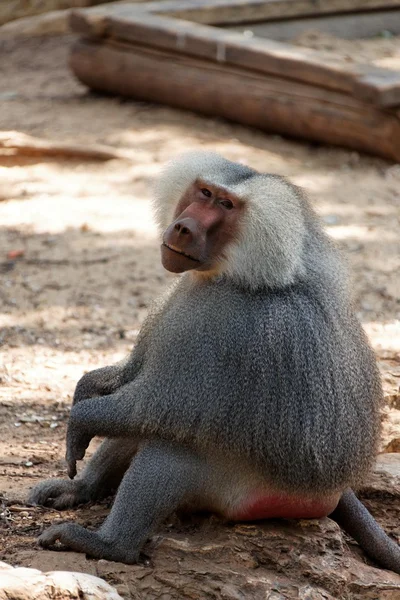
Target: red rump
x: 261, y: 506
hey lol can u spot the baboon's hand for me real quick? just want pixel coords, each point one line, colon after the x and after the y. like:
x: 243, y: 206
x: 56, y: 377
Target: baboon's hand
x: 78, y: 438
x: 99, y: 382
x: 60, y: 493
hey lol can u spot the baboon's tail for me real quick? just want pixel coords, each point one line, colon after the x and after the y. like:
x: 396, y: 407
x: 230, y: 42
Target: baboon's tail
x: 355, y: 519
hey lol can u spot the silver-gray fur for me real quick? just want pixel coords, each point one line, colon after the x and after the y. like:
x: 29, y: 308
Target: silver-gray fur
x: 263, y: 365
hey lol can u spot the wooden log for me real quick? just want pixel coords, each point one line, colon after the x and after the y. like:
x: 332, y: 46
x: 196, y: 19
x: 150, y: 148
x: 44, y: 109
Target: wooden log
x: 223, y: 46
x: 381, y: 86
x: 93, y: 21
x: 269, y: 103
x: 374, y: 84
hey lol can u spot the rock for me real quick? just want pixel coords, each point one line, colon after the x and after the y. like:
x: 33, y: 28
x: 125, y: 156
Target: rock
x: 331, y: 219
x: 306, y: 560
x: 393, y: 445
x: 389, y: 464
x: 19, y: 583
x: 384, y: 482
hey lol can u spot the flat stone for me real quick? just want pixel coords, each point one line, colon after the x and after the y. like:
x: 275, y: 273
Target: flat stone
x: 389, y: 463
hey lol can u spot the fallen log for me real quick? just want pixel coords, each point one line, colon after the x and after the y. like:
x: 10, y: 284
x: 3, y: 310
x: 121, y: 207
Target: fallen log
x: 272, y: 103
x: 122, y: 22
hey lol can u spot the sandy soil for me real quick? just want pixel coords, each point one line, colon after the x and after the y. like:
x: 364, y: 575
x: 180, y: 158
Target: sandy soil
x: 90, y: 267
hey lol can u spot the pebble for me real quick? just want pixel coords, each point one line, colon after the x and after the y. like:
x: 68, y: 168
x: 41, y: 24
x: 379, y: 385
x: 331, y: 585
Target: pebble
x: 331, y: 219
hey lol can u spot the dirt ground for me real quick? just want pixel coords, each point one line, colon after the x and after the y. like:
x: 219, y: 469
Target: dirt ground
x: 382, y: 51
x: 90, y: 267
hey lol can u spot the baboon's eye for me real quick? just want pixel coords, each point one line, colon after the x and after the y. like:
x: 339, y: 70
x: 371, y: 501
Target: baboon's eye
x: 206, y: 192
x: 227, y: 203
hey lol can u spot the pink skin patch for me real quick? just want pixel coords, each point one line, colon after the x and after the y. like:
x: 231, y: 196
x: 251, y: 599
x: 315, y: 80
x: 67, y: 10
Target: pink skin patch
x: 261, y: 506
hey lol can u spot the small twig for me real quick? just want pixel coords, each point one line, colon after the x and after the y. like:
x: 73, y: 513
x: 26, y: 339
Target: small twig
x: 25, y: 475
x: 32, y: 146
x: 18, y: 509
x: 65, y: 261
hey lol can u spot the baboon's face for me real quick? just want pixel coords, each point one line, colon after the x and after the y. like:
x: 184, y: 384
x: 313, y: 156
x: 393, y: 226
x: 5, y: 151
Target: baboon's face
x: 206, y: 219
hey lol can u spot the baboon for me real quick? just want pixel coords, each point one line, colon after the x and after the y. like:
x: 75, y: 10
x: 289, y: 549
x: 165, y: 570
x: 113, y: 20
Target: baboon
x: 252, y: 390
